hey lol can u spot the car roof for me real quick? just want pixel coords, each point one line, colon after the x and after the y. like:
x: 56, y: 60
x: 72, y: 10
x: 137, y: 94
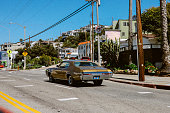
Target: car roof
x: 75, y: 61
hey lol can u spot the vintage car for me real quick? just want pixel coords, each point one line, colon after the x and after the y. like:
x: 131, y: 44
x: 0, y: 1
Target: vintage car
x: 78, y: 70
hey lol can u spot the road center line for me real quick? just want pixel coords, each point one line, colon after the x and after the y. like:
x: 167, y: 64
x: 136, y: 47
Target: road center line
x: 66, y: 99
x: 12, y: 100
x: 17, y: 106
x: 24, y: 86
x: 63, y: 86
x: 144, y: 92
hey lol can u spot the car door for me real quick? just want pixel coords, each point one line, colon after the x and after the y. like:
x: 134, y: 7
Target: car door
x: 61, y: 72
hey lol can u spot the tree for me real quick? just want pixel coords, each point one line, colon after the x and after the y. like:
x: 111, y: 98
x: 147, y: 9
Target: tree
x: 110, y: 54
x: 165, y: 47
x: 151, y: 21
x: 21, y: 40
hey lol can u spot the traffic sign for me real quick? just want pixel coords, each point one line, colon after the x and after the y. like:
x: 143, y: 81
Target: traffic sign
x: 9, y: 51
x: 25, y: 53
x: 98, y: 29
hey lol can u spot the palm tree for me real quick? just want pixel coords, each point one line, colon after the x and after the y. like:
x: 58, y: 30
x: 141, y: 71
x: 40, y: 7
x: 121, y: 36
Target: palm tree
x: 165, y: 47
x: 21, y: 40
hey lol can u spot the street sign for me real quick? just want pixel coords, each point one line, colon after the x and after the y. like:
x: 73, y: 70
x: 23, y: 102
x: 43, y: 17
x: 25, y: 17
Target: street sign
x: 25, y: 53
x: 98, y: 29
x: 9, y: 52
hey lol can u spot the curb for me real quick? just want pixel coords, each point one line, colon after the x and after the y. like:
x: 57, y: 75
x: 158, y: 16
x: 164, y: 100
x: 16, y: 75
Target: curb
x: 155, y: 86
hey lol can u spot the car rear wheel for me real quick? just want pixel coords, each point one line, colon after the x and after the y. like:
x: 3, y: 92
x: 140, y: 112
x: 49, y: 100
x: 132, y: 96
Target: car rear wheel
x: 71, y: 81
x: 97, y: 82
x: 51, y: 79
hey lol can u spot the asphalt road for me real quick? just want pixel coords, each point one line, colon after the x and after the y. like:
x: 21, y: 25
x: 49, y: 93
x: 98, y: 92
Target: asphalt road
x: 30, y: 91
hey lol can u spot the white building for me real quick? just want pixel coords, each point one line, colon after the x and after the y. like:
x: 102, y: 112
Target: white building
x: 66, y: 52
x: 12, y: 46
x: 149, y: 41
x: 84, y: 49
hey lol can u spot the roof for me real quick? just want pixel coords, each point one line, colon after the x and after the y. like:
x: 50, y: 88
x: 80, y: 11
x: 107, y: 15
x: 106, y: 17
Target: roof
x: 149, y: 35
x: 84, y: 42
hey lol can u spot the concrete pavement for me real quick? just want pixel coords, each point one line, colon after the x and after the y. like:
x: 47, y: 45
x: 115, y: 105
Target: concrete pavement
x: 150, y: 81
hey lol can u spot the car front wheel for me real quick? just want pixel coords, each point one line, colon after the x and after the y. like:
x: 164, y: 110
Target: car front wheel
x: 51, y: 79
x: 97, y: 82
x: 71, y: 81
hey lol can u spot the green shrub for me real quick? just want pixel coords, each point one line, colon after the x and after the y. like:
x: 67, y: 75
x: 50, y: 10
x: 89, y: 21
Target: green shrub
x: 45, y: 60
x: 131, y: 67
x: 150, y: 66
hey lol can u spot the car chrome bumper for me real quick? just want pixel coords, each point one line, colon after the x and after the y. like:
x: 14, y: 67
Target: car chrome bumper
x: 95, y: 77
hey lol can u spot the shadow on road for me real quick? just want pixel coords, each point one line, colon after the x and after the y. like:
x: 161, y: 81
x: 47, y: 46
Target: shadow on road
x: 124, y: 78
x: 77, y: 85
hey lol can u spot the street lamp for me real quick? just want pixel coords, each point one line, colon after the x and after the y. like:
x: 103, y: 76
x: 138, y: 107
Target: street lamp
x: 8, y: 42
x: 24, y: 41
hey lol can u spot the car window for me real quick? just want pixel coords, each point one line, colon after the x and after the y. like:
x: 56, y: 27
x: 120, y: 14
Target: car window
x: 84, y: 64
x: 64, y: 65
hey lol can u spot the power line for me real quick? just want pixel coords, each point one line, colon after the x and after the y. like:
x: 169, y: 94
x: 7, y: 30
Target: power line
x: 64, y: 19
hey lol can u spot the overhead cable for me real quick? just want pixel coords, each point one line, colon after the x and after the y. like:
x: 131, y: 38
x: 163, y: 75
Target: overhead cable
x: 64, y: 19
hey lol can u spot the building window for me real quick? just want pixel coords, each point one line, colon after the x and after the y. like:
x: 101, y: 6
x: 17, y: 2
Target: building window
x: 127, y: 23
x: 4, y: 55
x: 124, y: 23
x: 123, y: 33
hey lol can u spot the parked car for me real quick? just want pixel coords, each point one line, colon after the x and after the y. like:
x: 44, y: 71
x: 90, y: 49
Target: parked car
x: 78, y: 70
x: 1, y: 66
x: 85, y: 58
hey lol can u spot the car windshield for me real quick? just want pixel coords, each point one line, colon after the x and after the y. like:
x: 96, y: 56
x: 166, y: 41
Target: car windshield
x: 84, y: 64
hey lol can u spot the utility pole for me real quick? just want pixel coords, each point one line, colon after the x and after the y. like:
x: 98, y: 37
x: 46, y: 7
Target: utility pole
x: 97, y: 5
x: 90, y: 41
x: 130, y: 40
x: 140, y: 41
x: 86, y: 42
x: 24, y: 41
x: 25, y: 47
x: 29, y: 41
x: 92, y: 35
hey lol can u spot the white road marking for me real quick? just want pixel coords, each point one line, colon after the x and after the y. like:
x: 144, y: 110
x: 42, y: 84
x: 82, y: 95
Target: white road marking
x: 168, y: 106
x: 66, y: 99
x: 3, y: 77
x: 24, y: 86
x: 10, y: 72
x: 26, y: 79
x: 34, y: 75
x: 62, y: 86
x: 144, y: 92
x: 7, y: 80
x: 8, y: 75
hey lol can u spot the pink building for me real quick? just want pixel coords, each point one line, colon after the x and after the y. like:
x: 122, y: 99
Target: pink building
x: 112, y: 35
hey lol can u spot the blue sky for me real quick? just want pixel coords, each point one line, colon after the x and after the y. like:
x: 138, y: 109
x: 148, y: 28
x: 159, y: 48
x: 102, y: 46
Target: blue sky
x: 37, y: 15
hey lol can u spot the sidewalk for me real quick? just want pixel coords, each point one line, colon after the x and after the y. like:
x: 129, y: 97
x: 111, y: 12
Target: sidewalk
x: 150, y: 81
